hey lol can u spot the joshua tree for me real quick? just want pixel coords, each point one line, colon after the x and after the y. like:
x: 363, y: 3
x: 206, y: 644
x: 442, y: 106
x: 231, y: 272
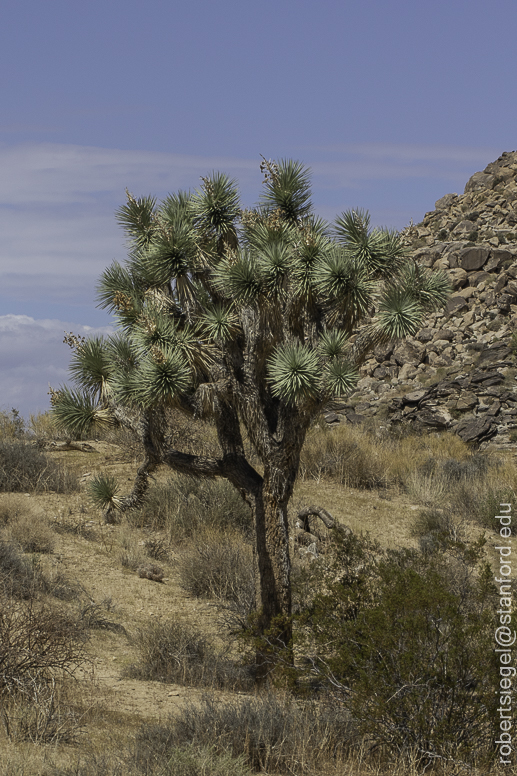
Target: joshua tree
x: 249, y: 318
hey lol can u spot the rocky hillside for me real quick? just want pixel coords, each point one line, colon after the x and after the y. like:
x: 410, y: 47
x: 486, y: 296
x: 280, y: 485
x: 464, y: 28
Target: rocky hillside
x: 459, y: 372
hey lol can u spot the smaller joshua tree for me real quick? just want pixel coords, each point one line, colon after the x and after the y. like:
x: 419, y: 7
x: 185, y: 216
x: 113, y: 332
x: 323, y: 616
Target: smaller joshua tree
x: 246, y: 318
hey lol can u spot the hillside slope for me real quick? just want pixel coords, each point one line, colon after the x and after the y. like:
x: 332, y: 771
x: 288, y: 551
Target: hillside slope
x: 459, y: 371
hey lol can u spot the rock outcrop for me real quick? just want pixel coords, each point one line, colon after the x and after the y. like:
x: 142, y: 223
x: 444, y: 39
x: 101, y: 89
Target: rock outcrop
x: 459, y: 371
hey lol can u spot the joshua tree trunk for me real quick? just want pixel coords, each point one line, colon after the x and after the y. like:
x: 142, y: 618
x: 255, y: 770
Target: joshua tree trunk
x: 273, y: 572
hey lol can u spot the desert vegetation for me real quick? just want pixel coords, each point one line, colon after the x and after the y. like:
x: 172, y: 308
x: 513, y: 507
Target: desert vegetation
x: 392, y: 623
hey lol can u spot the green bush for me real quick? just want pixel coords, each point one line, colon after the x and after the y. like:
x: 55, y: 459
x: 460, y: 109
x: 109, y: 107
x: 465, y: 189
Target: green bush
x: 25, y: 468
x: 405, y: 641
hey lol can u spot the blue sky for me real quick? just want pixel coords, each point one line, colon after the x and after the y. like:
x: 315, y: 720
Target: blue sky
x: 391, y: 103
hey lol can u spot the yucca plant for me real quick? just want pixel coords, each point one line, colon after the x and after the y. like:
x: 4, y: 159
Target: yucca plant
x: 245, y: 317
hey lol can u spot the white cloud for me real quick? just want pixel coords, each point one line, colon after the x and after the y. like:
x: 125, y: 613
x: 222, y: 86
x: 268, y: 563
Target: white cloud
x: 33, y: 356
x: 414, y: 152
x: 58, y: 232
x: 57, y: 203
x: 353, y: 165
x: 50, y: 174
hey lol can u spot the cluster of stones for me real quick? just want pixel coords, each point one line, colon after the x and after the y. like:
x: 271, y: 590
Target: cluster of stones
x: 459, y: 371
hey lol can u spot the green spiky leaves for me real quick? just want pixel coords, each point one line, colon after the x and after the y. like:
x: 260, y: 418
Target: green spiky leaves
x: 287, y: 188
x: 332, y: 343
x: 375, y: 250
x: 161, y: 376
x: 298, y: 373
x: 104, y: 492
x: 76, y: 412
x: 216, y: 207
x: 398, y: 315
x: 221, y: 323
x: 431, y: 289
x: 239, y: 279
x: 137, y: 218
x: 346, y: 285
x: 294, y: 373
x: 90, y: 366
x: 341, y: 377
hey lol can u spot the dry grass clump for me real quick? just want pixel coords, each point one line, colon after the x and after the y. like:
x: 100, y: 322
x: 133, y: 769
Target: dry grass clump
x: 458, y: 492
x: 132, y: 554
x: 173, y: 651
x: 183, y: 506
x: 368, y: 458
x: 25, y: 468
x: 142, y: 760
x: 42, y: 427
x: 219, y: 566
x: 12, y: 425
x: 272, y: 734
x: 25, y: 525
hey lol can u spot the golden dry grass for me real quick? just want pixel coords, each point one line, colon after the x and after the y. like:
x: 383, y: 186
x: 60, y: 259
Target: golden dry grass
x: 89, y: 553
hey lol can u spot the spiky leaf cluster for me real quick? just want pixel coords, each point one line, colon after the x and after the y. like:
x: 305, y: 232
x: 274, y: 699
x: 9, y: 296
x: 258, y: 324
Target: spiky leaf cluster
x: 252, y: 308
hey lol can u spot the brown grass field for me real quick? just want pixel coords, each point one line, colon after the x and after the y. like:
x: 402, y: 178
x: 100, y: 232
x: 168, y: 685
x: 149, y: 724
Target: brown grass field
x: 380, y: 486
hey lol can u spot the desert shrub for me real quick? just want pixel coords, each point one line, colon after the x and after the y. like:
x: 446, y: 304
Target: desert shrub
x: 462, y: 491
x: 272, y: 734
x: 156, y: 548
x: 486, y: 505
x: 12, y: 425
x: 370, y: 457
x: 342, y: 455
x: 428, y: 488
x: 412, y: 659
x: 184, y: 505
x: 220, y: 566
x: 37, y: 644
x: 429, y: 520
x: 158, y: 755
x: 25, y: 468
x: 132, y: 554
x: 12, y: 506
x: 32, y: 531
x: 42, y: 428
x: 19, y: 576
x: 173, y: 651
x: 40, y: 711
x: 150, y: 757
x: 93, y: 616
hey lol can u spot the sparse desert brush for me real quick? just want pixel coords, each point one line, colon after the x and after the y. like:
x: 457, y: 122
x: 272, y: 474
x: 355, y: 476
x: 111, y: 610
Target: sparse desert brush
x: 30, y: 528
x: 412, y: 660
x: 149, y: 756
x: 367, y: 457
x: 12, y: 506
x: 132, y: 553
x: 343, y: 454
x: 174, y: 651
x: 183, y: 506
x: 25, y: 468
x: 272, y: 733
x: 19, y: 576
x: 37, y: 642
x: 12, y: 425
x: 42, y: 427
x: 39, y: 646
x: 219, y: 565
x: 468, y: 489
